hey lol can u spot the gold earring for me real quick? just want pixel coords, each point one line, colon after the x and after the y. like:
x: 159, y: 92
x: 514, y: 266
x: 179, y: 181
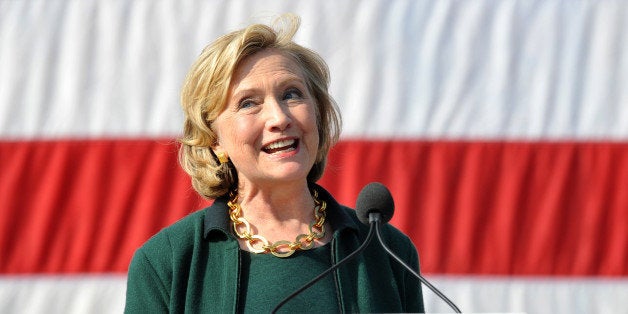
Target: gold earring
x: 222, y: 157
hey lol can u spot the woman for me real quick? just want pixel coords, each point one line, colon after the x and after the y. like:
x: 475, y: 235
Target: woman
x: 259, y: 122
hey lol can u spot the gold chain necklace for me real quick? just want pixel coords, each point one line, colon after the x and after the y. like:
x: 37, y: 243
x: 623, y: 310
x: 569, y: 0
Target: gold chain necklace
x: 258, y: 244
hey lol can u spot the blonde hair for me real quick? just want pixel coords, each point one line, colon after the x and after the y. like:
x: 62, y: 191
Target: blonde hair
x: 205, y: 91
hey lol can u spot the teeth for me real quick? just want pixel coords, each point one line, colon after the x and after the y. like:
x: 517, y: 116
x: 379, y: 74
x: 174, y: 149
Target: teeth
x: 279, y: 144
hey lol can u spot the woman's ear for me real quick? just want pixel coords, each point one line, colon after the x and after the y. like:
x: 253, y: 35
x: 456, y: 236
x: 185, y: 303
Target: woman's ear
x: 223, y: 157
x: 220, y: 152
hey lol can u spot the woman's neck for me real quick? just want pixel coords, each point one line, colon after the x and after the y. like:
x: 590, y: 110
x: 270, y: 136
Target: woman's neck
x: 277, y: 202
x: 278, y: 212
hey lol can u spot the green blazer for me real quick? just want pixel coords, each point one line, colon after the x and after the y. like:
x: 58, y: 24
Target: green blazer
x: 193, y: 266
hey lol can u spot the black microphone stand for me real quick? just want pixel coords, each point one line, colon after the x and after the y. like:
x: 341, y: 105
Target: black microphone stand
x: 375, y: 219
x: 368, y: 239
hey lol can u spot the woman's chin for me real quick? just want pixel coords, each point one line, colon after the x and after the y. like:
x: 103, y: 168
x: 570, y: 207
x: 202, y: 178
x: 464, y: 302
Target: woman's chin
x: 292, y: 172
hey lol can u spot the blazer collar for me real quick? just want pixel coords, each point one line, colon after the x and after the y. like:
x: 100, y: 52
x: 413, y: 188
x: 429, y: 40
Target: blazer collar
x: 217, y: 219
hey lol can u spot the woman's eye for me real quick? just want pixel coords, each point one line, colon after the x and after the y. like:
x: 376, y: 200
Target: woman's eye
x: 293, y: 94
x: 246, y: 103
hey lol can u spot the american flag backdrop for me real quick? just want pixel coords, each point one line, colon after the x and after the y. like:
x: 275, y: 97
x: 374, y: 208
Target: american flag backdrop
x: 500, y: 127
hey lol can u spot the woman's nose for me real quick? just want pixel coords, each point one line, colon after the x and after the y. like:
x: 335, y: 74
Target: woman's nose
x: 278, y: 115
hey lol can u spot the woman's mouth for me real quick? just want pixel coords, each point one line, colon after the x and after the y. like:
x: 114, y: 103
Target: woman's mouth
x: 281, y: 146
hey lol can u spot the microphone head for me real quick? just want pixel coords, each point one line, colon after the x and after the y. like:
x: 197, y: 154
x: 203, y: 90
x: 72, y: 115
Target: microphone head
x: 374, y: 197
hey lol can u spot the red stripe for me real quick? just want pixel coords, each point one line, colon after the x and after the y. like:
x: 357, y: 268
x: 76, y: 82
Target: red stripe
x: 500, y: 208
x: 521, y: 208
x: 84, y: 206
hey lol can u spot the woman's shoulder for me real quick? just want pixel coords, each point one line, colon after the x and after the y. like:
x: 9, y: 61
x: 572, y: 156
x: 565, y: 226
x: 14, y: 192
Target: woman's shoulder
x: 387, y: 229
x: 392, y: 234
x: 395, y: 237
x: 177, y: 236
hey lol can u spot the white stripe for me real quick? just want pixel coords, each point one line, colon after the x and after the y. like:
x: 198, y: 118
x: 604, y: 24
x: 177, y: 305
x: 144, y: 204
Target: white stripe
x: 105, y: 294
x: 444, y: 69
x: 538, y: 295
x: 62, y: 294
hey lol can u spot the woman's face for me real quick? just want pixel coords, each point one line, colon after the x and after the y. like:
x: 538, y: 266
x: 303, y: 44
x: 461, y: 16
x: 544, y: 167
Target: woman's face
x: 268, y: 127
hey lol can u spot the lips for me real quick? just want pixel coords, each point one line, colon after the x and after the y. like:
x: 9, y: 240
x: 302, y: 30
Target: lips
x: 281, y: 146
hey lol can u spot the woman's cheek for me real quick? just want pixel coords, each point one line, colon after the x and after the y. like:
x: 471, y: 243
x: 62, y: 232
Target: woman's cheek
x: 246, y: 130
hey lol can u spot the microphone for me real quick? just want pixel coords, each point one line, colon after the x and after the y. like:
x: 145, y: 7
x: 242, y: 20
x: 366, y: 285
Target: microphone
x: 374, y: 198
x: 375, y: 206
x: 367, y: 202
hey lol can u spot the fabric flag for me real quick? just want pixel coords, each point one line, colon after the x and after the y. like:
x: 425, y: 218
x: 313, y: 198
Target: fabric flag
x: 501, y: 128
